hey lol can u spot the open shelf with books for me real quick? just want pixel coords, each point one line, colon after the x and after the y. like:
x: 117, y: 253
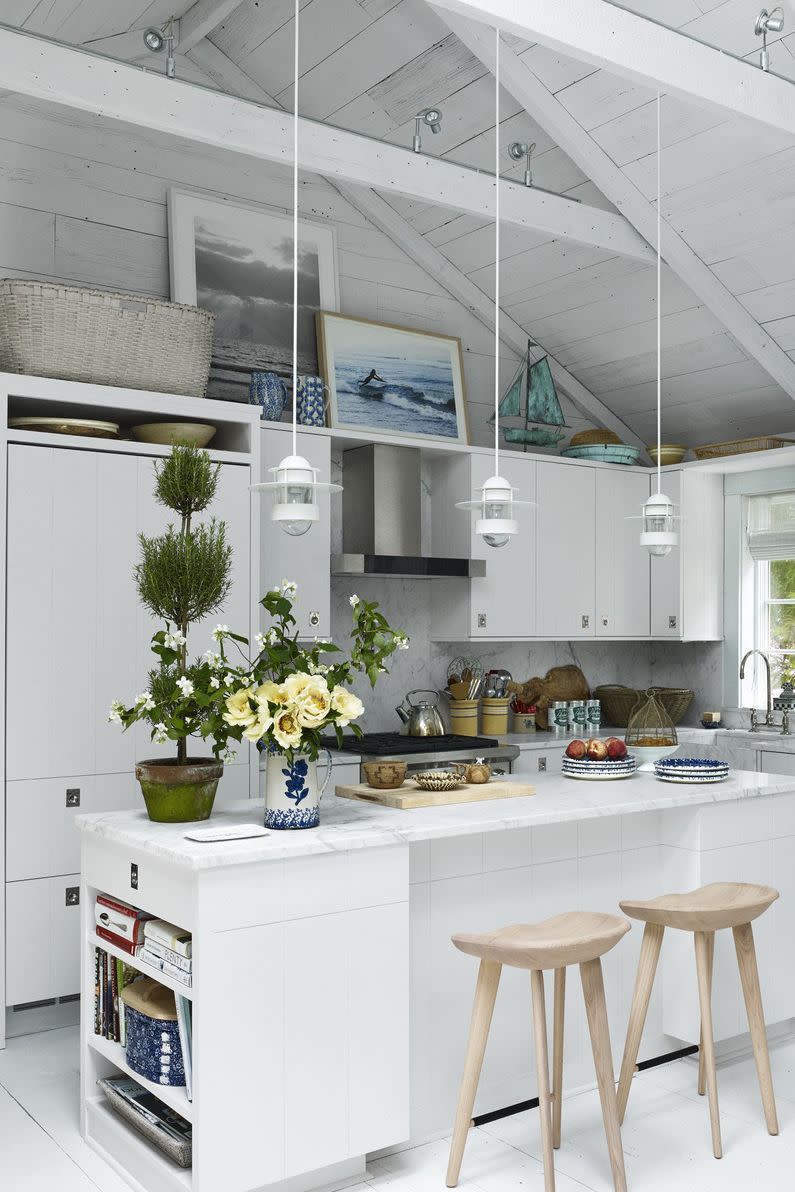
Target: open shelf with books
x: 148, y: 970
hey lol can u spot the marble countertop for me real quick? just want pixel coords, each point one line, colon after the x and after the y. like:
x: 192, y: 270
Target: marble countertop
x: 347, y: 825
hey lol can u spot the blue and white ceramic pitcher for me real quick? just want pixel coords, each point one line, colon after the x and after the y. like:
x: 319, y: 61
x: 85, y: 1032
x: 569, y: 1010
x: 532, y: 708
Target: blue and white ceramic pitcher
x: 267, y: 390
x: 292, y: 797
x: 311, y: 401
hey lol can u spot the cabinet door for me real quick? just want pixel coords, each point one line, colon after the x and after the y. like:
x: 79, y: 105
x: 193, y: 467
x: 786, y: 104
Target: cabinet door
x: 42, y: 939
x: 776, y: 763
x: 622, y: 565
x: 502, y: 604
x: 305, y: 560
x: 566, y: 556
x: 76, y: 630
x: 666, y: 572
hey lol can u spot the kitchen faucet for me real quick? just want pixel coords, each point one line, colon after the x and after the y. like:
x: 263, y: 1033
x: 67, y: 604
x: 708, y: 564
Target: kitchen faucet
x: 769, y: 716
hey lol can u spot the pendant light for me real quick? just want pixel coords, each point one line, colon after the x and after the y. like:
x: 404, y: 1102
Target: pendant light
x: 659, y: 534
x: 496, y: 500
x: 295, y: 483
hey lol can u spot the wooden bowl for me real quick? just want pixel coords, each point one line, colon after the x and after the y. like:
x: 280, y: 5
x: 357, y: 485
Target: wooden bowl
x: 384, y: 776
x: 194, y: 434
x: 670, y: 453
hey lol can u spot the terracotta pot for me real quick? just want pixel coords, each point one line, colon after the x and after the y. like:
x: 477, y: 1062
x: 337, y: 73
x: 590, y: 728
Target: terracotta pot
x: 177, y: 793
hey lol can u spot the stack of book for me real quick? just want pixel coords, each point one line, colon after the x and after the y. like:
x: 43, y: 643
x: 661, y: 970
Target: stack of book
x: 110, y: 976
x: 120, y: 924
x: 168, y: 949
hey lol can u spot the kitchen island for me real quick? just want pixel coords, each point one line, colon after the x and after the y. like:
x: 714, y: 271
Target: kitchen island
x: 330, y: 1009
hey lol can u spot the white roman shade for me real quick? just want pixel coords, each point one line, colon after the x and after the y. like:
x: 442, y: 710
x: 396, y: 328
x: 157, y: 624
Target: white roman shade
x: 771, y: 526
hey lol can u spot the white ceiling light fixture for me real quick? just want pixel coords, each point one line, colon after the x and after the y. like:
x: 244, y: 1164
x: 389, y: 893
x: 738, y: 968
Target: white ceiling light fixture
x: 295, y: 484
x: 158, y: 39
x: 496, y: 500
x: 659, y: 534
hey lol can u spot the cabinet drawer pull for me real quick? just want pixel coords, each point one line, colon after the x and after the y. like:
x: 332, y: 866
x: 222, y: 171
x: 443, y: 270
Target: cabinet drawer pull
x: 72, y: 896
x: 73, y: 796
x: 586, y: 621
x: 672, y: 622
x: 314, y: 619
x: 542, y: 765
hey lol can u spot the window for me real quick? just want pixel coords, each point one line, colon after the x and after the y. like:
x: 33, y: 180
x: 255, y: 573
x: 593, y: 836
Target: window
x: 771, y: 545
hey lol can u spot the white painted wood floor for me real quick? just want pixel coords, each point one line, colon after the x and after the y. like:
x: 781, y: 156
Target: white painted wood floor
x: 666, y: 1134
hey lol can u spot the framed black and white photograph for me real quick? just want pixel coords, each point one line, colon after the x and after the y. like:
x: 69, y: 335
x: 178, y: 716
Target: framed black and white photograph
x: 237, y: 261
x: 392, y: 379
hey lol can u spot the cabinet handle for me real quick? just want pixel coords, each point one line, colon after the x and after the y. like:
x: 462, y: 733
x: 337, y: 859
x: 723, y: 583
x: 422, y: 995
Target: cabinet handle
x: 542, y: 765
x: 481, y: 620
x: 314, y: 619
x: 604, y: 622
x: 586, y: 621
x: 72, y: 896
x: 672, y: 622
x: 73, y: 797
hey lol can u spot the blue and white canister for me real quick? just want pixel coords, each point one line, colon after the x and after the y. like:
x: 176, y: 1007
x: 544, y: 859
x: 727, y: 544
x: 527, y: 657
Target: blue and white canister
x: 594, y: 715
x: 311, y: 401
x: 267, y: 391
x: 292, y: 796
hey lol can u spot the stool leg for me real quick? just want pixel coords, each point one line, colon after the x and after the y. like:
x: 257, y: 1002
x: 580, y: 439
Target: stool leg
x: 594, y: 992
x: 702, y: 1072
x: 708, y: 1046
x: 644, y: 980
x: 482, y: 1010
x: 749, y: 975
x: 557, y: 1054
x: 542, y: 1075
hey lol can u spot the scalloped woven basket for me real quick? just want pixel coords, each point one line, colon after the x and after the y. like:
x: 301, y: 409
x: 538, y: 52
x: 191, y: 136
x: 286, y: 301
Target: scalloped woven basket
x: 618, y: 702
x: 129, y: 340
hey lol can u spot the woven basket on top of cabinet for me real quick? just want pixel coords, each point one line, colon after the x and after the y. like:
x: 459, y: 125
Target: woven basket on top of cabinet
x: 618, y: 702
x: 129, y: 340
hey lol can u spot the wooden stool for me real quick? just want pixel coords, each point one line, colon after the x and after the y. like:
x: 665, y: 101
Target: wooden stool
x: 704, y: 911
x: 574, y: 938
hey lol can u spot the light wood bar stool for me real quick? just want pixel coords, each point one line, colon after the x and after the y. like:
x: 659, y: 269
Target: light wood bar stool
x: 704, y: 911
x: 573, y: 938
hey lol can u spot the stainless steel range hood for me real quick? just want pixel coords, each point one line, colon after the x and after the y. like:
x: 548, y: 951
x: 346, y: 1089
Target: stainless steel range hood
x: 382, y: 518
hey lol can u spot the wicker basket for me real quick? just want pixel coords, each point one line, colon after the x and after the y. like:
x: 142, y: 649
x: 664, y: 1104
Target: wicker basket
x: 129, y: 340
x: 618, y: 702
x: 740, y: 447
x: 597, y: 437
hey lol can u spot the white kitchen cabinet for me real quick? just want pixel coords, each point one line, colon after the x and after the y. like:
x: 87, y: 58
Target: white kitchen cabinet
x: 42, y: 939
x: 687, y: 584
x: 771, y: 762
x: 545, y: 760
x: 306, y: 559
x: 566, y: 555
x: 622, y: 566
x: 77, y: 629
x: 502, y: 603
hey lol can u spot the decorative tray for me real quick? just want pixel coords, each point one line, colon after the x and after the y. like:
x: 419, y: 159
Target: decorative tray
x: 740, y: 446
x: 88, y: 427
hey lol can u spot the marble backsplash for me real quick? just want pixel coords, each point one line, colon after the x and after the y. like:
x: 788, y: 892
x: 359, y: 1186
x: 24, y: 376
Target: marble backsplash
x: 406, y: 604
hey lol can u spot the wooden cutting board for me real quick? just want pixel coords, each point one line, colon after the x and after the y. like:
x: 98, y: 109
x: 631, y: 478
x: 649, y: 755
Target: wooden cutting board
x: 409, y: 794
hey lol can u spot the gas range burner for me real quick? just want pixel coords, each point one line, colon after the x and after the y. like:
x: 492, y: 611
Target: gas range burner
x: 387, y: 744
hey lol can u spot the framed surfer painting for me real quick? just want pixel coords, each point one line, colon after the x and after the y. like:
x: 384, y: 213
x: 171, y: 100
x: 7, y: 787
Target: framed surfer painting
x: 392, y: 380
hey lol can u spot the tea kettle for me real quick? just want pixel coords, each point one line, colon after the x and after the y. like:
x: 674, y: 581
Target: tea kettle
x: 422, y: 716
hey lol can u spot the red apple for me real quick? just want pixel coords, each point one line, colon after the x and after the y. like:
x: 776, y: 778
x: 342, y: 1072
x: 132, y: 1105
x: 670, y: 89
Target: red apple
x: 595, y: 749
x: 616, y: 748
x: 575, y: 749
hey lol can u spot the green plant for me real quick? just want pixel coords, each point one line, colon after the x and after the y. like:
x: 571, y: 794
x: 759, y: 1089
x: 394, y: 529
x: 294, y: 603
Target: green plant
x: 182, y: 576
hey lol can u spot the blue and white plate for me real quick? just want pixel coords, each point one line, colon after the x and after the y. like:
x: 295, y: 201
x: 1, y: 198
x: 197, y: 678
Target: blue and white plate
x: 599, y: 771
x: 691, y: 769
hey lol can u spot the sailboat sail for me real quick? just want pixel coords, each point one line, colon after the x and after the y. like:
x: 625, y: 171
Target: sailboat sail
x: 542, y: 400
x: 531, y: 400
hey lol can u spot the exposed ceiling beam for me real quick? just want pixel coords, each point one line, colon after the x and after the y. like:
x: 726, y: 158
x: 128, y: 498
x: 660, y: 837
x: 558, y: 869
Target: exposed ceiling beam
x: 189, y: 29
x: 527, y: 89
x: 641, y: 50
x: 63, y: 75
x: 227, y: 74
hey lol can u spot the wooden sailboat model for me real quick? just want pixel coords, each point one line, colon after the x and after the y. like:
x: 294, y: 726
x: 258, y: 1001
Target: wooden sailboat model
x: 530, y: 412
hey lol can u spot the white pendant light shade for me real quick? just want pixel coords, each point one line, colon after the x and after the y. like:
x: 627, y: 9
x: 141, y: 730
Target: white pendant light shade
x: 295, y: 487
x: 659, y: 534
x: 496, y: 503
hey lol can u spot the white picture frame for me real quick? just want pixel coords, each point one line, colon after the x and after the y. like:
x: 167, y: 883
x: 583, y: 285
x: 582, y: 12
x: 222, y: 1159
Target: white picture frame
x: 235, y: 259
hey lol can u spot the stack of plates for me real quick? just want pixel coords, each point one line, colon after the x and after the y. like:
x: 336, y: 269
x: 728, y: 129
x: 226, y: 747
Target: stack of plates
x: 599, y: 771
x: 691, y: 769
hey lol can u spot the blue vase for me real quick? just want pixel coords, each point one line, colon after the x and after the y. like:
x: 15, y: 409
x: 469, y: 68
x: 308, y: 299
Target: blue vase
x: 292, y: 794
x: 311, y: 401
x: 267, y: 391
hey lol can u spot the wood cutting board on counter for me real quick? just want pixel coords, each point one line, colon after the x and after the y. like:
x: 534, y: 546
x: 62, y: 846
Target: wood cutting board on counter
x: 408, y: 795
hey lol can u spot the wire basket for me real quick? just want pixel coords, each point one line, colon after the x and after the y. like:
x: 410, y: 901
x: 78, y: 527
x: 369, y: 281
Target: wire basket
x: 619, y: 702
x: 130, y: 340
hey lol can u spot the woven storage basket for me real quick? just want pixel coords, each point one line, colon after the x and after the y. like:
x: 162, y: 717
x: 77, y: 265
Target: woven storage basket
x: 618, y: 702
x: 129, y: 340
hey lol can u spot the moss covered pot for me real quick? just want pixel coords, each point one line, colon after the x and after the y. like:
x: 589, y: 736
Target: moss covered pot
x: 179, y: 793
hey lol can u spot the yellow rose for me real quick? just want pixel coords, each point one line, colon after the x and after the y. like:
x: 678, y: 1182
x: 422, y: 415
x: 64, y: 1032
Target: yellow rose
x: 296, y: 684
x: 314, y: 703
x: 257, y: 730
x: 238, y: 708
x: 271, y: 693
x: 286, y: 729
x: 347, y: 706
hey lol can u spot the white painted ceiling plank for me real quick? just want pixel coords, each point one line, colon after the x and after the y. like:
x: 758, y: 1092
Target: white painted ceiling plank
x: 201, y: 19
x: 580, y: 146
x: 65, y: 76
x: 641, y: 50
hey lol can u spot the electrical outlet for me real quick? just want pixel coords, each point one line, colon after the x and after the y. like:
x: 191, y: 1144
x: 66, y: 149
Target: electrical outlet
x: 133, y: 876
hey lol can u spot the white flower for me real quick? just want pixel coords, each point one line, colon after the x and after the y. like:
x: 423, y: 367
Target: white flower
x: 114, y: 715
x: 215, y: 682
x: 230, y: 679
x: 401, y: 641
x: 160, y: 734
x: 185, y: 686
x: 220, y: 632
x: 145, y: 701
x: 230, y: 755
x: 213, y: 659
x: 174, y: 640
x: 353, y: 600
x: 289, y: 587
x: 259, y: 638
x: 318, y: 668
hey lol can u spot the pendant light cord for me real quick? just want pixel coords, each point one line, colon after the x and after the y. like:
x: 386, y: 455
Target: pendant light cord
x: 295, y: 231
x: 497, y: 252
x: 659, y: 308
